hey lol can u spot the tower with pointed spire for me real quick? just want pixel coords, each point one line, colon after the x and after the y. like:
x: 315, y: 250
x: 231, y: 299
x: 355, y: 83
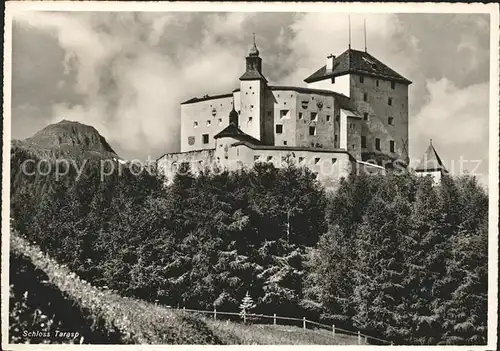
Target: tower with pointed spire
x: 252, y: 95
x: 431, y: 165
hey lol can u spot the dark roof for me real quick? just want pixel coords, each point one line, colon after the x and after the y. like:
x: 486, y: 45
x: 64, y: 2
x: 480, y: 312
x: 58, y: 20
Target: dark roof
x: 232, y: 131
x: 360, y: 62
x: 206, y: 97
x: 307, y: 90
x: 291, y: 148
x: 253, y: 75
x: 430, y: 161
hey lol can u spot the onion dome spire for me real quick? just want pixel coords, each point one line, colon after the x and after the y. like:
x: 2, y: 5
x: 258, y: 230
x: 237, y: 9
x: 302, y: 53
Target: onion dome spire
x: 253, y: 50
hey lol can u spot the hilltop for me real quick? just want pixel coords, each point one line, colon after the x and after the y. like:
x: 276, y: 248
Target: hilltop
x: 66, y: 139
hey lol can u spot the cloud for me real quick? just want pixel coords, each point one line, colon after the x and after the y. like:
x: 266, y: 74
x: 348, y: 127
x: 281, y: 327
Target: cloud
x: 456, y: 119
x: 130, y: 87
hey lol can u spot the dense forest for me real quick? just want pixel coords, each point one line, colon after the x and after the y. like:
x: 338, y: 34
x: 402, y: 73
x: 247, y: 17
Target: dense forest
x: 393, y: 255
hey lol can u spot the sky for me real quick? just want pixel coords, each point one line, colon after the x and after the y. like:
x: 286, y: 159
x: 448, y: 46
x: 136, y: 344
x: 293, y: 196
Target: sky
x: 126, y: 73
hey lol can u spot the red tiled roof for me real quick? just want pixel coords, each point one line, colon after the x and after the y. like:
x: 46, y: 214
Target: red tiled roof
x: 360, y: 62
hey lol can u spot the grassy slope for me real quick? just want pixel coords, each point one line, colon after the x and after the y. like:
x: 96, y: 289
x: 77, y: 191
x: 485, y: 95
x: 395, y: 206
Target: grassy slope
x: 260, y: 334
x: 46, y: 296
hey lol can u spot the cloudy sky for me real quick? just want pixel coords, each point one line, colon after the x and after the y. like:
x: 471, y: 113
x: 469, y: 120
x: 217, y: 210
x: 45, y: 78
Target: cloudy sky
x: 126, y: 73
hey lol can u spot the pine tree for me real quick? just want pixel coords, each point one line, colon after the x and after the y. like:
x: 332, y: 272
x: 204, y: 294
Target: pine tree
x: 246, y: 306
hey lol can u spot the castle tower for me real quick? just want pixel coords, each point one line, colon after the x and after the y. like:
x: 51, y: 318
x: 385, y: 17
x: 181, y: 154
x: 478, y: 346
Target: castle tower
x: 252, y: 94
x: 378, y: 94
x: 431, y: 164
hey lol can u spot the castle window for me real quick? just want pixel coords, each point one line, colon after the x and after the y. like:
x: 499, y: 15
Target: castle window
x: 334, y: 160
x: 205, y: 138
x: 365, y: 116
x: 328, y: 118
x: 209, y: 123
x: 316, y: 160
x: 389, y: 101
x: 378, y: 82
x: 391, y: 145
x: 361, y: 79
x: 284, y: 113
x: 301, y: 159
x: 250, y: 88
x: 250, y: 119
x: 393, y: 85
x: 279, y: 128
x: 220, y: 121
x: 377, y: 144
x: 312, y: 130
x: 269, y: 158
x: 284, y: 103
x: 284, y: 142
x: 333, y: 80
x: 195, y: 124
x: 300, y: 115
x: 313, y: 116
x: 363, y: 142
x: 365, y: 97
x: 251, y: 107
x: 256, y: 158
x: 390, y: 120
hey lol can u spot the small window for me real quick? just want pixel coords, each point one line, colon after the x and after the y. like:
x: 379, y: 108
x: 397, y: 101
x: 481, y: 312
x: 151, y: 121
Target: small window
x: 390, y: 120
x: 284, y: 103
x: 312, y: 130
x: 256, y: 158
x: 269, y: 158
x: 393, y: 85
x: 361, y: 79
x: 251, y: 107
x: 314, y: 115
x: 300, y: 115
x: 333, y: 80
x: 279, y: 128
x: 377, y: 144
x: 250, y: 119
x: 209, y: 123
x: 284, y: 142
x: 391, y: 144
x: 301, y: 159
x: 328, y: 118
x: 389, y: 101
x: 284, y: 113
x: 365, y: 97
x: 220, y: 121
x: 365, y: 116
x: 205, y: 138
x: 378, y: 82
x: 316, y: 160
x: 334, y: 160
x: 363, y: 142
x: 195, y: 124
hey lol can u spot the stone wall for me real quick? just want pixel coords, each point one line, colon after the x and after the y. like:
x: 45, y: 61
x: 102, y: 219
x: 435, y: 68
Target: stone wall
x: 208, y: 117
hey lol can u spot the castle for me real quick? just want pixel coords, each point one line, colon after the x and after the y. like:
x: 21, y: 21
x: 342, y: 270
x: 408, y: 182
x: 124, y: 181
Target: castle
x: 353, y: 110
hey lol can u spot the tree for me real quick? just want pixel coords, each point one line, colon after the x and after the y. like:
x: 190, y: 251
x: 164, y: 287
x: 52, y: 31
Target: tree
x: 246, y: 306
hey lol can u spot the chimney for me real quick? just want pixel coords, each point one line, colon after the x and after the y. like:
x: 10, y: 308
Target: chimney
x: 329, y: 62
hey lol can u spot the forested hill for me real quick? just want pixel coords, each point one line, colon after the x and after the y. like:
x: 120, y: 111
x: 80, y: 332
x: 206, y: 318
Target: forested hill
x: 393, y: 256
